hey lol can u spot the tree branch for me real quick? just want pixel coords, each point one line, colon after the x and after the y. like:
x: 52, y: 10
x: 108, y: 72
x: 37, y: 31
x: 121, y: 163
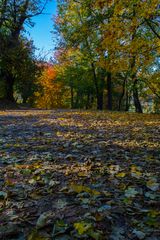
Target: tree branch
x: 152, y: 28
x: 40, y: 12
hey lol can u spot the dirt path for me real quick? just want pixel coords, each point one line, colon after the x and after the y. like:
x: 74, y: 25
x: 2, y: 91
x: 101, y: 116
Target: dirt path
x: 79, y: 175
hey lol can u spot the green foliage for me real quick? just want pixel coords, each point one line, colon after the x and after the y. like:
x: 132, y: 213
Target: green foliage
x: 98, y: 39
x: 16, y: 53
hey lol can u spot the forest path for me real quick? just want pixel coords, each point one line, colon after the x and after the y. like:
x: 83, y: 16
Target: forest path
x: 79, y: 175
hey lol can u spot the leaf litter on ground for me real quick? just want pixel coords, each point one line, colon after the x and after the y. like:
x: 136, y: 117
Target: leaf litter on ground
x: 79, y: 175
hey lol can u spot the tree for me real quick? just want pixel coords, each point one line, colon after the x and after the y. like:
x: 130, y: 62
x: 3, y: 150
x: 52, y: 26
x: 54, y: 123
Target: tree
x: 13, y: 15
x: 76, y: 25
x: 50, y: 93
x: 76, y: 77
x: 27, y: 71
x: 129, y: 42
x: 116, y: 44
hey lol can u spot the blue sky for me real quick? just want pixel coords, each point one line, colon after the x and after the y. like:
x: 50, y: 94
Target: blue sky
x: 41, y: 32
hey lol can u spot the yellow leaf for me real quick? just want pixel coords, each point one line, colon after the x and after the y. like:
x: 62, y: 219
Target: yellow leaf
x: 32, y: 181
x: 121, y: 174
x: 81, y: 188
x: 135, y: 171
x: 82, y: 227
x: 153, y: 213
x: 82, y: 174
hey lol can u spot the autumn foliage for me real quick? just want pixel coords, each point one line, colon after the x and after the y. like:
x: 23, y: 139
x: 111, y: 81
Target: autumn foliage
x: 107, y: 56
x: 112, y: 53
x: 50, y: 93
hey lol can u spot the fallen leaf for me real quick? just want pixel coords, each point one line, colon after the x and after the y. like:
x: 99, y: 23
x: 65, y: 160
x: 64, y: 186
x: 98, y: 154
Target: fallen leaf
x: 139, y: 234
x: 130, y: 192
x: 43, y: 219
x: 121, y: 174
x: 82, y: 227
x: 3, y: 195
x: 152, y: 184
x: 104, y: 208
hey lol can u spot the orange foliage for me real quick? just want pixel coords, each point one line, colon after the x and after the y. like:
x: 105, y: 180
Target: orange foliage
x: 51, y: 92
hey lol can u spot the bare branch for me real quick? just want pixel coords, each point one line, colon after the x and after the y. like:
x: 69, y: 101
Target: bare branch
x: 152, y: 28
x: 40, y: 12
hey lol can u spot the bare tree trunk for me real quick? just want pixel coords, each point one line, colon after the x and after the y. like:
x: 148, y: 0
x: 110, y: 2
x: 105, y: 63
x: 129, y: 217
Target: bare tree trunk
x: 100, y: 101
x: 127, y: 101
x: 99, y: 94
x: 122, y: 95
x: 9, y: 88
x: 72, y: 100
x: 109, y: 89
x: 137, y: 102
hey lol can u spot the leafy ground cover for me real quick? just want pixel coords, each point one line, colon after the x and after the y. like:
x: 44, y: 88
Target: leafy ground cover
x: 79, y: 175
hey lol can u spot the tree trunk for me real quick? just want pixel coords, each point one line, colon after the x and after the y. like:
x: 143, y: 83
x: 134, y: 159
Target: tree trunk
x: 88, y: 101
x: 127, y: 101
x: 109, y: 89
x: 137, y: 104
x: 72, y: 101
x: 98, y: 95
x: 100, y: 101
x: 122, y: 95
x: 24, y: 99
x: 9, y: 88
